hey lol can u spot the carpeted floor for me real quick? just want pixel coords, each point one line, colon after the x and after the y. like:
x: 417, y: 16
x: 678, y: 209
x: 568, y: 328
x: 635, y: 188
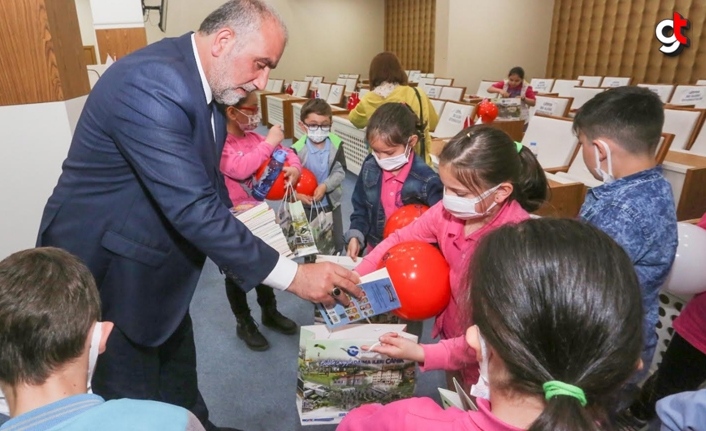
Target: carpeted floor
x: 256, y: 390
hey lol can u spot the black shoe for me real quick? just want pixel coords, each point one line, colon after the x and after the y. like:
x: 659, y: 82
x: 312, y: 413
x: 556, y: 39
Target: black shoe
x: 248, y: 332
x: 274, y: 320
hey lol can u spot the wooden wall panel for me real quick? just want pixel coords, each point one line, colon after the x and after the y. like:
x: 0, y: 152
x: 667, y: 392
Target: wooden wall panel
x: 616, y: 38
x: 119, y: 42
x: 410, y: 27
x: 41, y: 55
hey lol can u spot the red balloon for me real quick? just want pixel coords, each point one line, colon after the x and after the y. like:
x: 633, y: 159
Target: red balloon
x: 277, y: 191
x: 487, y: 111
x: 307, y: 183
x: 420, y: 275
x: 402, y: 217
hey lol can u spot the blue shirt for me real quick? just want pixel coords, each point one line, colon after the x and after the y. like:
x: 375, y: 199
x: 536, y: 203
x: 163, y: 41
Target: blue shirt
x: 638, y: 212
x: 89, y: 411
x: 318, y: 162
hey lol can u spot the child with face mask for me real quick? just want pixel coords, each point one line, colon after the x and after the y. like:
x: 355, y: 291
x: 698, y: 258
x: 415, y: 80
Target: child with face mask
x: 557, y: 329
x: 243, y: 153
x: 51, y: 336
x: 489, y: 181
x: 391, y: 176
x: 321, y: 151
x: 619, y: 131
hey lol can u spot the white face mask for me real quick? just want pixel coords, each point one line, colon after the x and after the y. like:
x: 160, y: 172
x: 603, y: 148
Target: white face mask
x: 93, y: 351
x: 317, y: 136
x: 481, y: 388
x: 253, y: 121
x: 395, y: 162
x: 465, y: 208
x: 607, y: 177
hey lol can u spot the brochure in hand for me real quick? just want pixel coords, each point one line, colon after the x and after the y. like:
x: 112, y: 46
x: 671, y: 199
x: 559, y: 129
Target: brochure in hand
x: 379, y: 297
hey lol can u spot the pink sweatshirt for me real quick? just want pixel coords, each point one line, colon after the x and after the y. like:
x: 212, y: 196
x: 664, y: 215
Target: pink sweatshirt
x: 421, y: 414
x: 438, y: 226
x: 241, y: 158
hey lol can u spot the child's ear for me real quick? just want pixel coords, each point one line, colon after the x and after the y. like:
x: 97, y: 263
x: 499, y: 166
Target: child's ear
x: 503, y: 192
x: 602, y: 152
x: 231, y: 113
x: 302, y: 127
x: 106, y: 329
x: 473, y: 340
x: 413, y: 140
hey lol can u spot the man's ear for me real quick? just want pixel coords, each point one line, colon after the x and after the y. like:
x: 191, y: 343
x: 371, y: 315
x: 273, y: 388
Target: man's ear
x: 221, y: 39
x: 106, y: 329
x: 473, y: 340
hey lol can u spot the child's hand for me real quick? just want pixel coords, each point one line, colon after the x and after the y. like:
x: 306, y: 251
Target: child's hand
x: 306, y: 200
x: 394, y: 346
x: 319, y: 192
x: 291, y: 174
x: 353, y: 249
x: 275, y: 136
x: 504, y: 94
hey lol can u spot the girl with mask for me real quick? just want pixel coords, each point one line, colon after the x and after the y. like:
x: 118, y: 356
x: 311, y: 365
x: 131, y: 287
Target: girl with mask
x: 558, y: 328
x: 243, y: 153
x: 489, y: 181
x: 390, y: 177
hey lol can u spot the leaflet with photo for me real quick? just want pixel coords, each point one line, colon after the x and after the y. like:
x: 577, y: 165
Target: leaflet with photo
x: 379, y: 296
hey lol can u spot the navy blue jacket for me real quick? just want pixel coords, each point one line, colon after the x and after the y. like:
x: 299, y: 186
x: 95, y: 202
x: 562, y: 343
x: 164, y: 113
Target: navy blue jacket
x: 141, y: 199
x: 422, y: 186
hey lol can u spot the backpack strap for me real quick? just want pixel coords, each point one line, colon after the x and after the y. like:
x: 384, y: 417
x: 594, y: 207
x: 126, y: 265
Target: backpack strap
x: 421, y: 125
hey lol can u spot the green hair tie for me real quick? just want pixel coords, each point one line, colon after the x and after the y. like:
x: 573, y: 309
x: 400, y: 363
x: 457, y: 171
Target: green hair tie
x: 555, y: 388
x: 519, y: 146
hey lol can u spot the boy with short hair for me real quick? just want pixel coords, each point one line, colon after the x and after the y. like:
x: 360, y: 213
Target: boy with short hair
x: 619, y: 131
x: 50, y: 337
x: 321, y: 151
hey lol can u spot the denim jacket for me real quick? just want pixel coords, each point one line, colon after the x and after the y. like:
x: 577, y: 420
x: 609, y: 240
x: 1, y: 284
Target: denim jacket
x: 638, y: 212
x: 368, y: 218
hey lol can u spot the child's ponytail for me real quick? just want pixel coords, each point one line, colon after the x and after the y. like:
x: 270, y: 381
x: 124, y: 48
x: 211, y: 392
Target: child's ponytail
x: 531, y: 188
x: 564, y: 413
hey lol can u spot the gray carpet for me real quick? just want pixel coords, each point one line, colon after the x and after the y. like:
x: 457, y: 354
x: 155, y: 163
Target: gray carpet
x: 256, y: 390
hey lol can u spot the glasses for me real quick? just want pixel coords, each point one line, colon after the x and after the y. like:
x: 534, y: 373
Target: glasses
x: 315, y: 127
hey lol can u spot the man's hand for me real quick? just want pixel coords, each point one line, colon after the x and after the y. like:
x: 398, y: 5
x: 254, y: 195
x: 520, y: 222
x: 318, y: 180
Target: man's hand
x: 353, y: 249
x: 319, y: 192
x: 394, y: 346
x: 316, y: 282
x: 275, y: 136
x: 291, y: 174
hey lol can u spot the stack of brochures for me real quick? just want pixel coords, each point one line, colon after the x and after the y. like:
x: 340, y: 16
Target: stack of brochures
x: 260, y: 219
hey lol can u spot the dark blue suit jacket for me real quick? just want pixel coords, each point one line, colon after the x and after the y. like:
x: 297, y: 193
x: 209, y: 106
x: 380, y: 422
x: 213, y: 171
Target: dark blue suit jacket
x: 141, y: 199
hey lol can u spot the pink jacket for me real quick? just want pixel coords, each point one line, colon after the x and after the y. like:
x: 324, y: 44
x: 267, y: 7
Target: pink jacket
x: 438, y: 226
x: 452, y: 354
x: 240, y: 160
x: 421, y: 414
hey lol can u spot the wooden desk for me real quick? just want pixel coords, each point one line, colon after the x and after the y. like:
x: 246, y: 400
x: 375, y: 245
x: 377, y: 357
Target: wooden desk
x: 691, y: 202
x: 565, y: 200
x: 262, y: 99
x: 279, y: 111
x: 514, y: 128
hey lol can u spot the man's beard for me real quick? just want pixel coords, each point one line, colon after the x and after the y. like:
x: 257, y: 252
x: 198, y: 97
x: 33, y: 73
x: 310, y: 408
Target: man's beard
x: 223, y: 91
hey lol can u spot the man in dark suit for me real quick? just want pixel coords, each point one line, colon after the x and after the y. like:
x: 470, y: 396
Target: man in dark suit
x: 142, y: 202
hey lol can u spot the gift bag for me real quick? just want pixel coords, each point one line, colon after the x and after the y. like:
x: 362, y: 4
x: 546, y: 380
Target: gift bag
x: 294, y: 224
x: 335, y: 375
x: 322, y: 229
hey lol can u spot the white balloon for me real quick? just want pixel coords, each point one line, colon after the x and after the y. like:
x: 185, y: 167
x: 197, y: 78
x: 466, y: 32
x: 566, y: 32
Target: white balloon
x: 688, y: 274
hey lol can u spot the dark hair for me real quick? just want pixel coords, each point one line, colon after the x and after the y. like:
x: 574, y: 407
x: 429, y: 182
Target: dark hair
x: 386, y: 67
x: 315, y: 106
x: 517, y: 70
x: 631, y: 116
x: 242, y: 101
x: 48, y: 303
x: 482, y: 157
x: 243, y: 16
x: 394, y: 123
x: 558, y: 299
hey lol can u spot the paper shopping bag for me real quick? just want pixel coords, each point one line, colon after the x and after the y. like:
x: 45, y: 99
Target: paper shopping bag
x: 335, y: 375
x: 299, y: 235
x: 322, y: 229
